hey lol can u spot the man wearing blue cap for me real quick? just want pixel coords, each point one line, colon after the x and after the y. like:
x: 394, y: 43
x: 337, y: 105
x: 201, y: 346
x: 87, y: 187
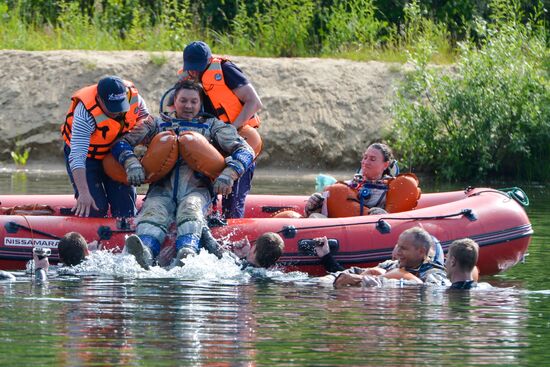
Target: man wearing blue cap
x: 232, y: 99
x: 98, y: 115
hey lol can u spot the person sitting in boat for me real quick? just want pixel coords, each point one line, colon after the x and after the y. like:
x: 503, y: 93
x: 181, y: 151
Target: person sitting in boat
x: 367, y: 192
x: 98, y: 115
x: 265, y: 252
x: 461, y: 264
x: 412, y: 263
x: 183, y: 195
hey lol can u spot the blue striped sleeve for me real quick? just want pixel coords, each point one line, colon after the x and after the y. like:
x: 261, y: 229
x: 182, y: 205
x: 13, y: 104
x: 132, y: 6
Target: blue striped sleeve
x: 83, y: 127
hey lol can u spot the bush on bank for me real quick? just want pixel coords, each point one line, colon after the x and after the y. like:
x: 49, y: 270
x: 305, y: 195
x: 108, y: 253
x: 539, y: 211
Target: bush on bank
x: 488, y: 115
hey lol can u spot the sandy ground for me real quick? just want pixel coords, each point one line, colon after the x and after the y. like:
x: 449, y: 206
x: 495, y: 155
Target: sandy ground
x: 318, y: 113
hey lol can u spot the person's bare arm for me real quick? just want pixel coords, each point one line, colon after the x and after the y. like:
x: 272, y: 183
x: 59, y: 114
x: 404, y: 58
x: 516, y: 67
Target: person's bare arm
x: 85, y: 202
x: 374, y: 271
x: 347, y: 279
x: 251, y: 104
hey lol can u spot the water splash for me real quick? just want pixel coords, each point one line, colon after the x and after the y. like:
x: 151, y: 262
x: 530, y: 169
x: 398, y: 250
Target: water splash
x: 204, y: 267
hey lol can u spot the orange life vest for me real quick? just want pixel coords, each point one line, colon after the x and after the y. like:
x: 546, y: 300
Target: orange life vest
x: 403, y: 194
x: 107, y: 130
x: 225, y: 102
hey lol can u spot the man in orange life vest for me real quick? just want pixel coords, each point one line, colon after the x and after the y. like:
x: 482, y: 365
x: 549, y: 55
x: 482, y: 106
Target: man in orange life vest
x: 98, y: 115
x: 232, y: 99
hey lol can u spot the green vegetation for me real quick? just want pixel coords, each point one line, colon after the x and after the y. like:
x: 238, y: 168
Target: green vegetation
x: 357, y: 29
x: 20, y: 159
x: 158, y: 59
x: 490, y: 113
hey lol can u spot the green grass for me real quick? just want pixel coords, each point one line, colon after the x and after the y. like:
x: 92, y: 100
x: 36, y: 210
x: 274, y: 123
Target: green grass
x: 282, y: 28
x: 158, y: 59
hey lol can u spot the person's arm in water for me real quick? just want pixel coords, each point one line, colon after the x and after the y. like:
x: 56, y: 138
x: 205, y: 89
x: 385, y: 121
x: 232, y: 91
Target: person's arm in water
x: 239, y: 249
x: 323, y: 252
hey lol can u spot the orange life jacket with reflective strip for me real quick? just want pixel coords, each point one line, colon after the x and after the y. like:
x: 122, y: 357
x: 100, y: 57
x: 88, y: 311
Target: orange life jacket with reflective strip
x: 225, y: 102
x: 107, y: 130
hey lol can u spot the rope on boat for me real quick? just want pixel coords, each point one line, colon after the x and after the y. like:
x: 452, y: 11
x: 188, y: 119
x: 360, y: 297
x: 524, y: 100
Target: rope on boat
x: 381, y: 225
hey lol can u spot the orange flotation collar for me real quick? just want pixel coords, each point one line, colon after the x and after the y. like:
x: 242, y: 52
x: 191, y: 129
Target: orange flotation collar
x: 158, y: 161
x: 402, y: 195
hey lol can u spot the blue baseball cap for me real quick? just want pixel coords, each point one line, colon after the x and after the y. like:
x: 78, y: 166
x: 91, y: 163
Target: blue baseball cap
x: 114, y: 94
x: 196, y: 56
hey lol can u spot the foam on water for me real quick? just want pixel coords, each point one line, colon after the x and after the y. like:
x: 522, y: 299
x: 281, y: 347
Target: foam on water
x: 204, y: 266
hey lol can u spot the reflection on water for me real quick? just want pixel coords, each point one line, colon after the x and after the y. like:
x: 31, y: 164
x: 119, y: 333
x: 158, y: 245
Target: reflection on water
x: 55, y: 181
x: 211, y: 313
x: 110, y: 321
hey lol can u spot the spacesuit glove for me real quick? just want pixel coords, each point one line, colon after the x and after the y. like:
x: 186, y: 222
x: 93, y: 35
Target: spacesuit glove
x: 134, y: 171
x: 314, y: 204
x: 223, y: 185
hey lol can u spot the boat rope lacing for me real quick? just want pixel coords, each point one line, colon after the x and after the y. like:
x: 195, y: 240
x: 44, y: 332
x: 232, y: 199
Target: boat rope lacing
x: 380, y: 223
x: 515, y: 193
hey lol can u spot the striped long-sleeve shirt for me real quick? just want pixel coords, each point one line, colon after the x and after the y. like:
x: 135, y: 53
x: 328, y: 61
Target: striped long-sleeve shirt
x: 83, y: 128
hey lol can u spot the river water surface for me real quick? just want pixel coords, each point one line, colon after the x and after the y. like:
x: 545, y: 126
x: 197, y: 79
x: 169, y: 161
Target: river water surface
x: 213, y: 314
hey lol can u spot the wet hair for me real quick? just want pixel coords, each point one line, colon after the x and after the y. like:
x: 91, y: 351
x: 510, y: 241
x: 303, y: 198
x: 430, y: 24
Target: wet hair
x: 72, y: 248
x: 387, y: 153
x: 420, y: 238
x: 269, y: 248
x: 189, y: 85
x: 465, y: 251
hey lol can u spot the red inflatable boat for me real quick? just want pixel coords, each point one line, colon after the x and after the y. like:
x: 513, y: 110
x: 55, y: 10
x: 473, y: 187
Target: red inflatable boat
x: 493, y: 218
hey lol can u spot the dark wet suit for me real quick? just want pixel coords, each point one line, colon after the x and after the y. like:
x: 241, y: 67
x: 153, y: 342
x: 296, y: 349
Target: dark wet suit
x: 466, y: 284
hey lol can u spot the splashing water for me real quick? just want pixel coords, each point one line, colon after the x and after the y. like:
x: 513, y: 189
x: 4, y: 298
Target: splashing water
x: 204, y: 267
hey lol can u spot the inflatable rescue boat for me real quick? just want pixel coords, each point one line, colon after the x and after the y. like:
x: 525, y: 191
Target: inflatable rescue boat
x: 495, y: 219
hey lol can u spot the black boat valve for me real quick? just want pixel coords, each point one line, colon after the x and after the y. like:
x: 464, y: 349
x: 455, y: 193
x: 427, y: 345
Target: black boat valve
x: 469, y: 213
x: 383, y: 227
x: 104, y: 232
x: 11, y: 227
x: 289, y: 231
